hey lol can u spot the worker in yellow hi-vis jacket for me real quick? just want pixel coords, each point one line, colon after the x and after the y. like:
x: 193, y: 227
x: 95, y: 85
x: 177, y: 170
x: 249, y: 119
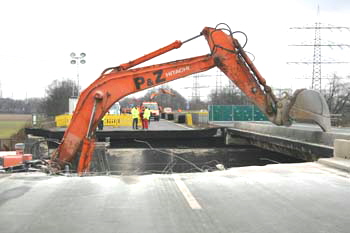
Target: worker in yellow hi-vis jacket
x: 135, y: 117
x: 146, y: 116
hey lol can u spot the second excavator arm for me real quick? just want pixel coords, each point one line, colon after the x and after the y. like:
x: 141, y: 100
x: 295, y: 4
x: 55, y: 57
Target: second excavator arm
x: 226, y: 53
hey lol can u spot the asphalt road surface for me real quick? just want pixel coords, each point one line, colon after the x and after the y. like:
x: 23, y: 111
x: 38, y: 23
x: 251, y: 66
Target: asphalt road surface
x: 154, y: 125
x: 277, y: 198
x: 166, y: 125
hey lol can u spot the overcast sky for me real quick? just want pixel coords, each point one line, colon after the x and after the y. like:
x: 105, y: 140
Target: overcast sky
x: 37, y: 37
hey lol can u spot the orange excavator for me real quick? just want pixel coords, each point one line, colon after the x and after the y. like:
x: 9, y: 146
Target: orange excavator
x: 226, y: 53
x: 161, y: 91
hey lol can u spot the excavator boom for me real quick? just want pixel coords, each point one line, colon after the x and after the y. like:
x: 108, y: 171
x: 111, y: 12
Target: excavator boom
x: 118, y: 82
x: 161, y: 91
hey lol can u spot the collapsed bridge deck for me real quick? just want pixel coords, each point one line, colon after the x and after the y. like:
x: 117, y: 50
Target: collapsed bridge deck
x: 294, y: 142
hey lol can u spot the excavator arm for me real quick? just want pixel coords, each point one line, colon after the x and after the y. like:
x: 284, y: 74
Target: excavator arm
x: 77, y: 145
x: 161, y: 91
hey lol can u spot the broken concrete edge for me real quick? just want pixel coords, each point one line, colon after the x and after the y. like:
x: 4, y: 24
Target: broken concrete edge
x: 291, y: 147
x: 309, y: 136
x: 341, y: 156
x: 292, y: 140
x: 337, y: 163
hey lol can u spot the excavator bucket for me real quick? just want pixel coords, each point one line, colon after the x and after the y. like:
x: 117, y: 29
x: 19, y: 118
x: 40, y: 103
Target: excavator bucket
x: 310, y: 106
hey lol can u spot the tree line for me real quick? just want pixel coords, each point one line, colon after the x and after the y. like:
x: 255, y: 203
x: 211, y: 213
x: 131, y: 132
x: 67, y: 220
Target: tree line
x: 56, y: 100
x: 54, y: 103
x: 28, y: 106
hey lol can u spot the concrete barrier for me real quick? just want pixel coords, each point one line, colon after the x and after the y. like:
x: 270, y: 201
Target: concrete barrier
x: 189, y: 118
x: 341, y: 155
x: 170, y: 116
x: 175, y: 116
x: 342, y: 148
x: 200, y: 118
x: 181, y: 119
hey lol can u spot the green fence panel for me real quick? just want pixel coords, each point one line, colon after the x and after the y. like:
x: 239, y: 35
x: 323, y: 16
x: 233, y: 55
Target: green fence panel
x: 210, y: 110
x: 220, y: 113
x: 243, y: 113
x: 227, y: 113
x: 235, y: 113
x: 258, y: 115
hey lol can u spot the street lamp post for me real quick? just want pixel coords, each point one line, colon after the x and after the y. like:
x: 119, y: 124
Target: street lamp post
x: 76, y: 60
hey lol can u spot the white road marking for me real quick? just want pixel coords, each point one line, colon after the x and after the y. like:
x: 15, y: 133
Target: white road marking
x: 183, y: 126
x: 186, y: 127
x: 186, y: 193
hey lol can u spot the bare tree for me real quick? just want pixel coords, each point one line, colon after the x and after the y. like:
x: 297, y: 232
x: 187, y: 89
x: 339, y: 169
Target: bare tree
x: 31, y: 105
x: 228, y: 95
x: 337, y: 95
x: 58, y: 92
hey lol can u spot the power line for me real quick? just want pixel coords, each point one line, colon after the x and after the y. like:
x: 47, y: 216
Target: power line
x: 317, y: 61
x: 196, y: 86
x: 322, y: 62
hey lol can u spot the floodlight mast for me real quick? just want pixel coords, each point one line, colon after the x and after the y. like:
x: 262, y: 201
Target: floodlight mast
x: 75, y: 61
